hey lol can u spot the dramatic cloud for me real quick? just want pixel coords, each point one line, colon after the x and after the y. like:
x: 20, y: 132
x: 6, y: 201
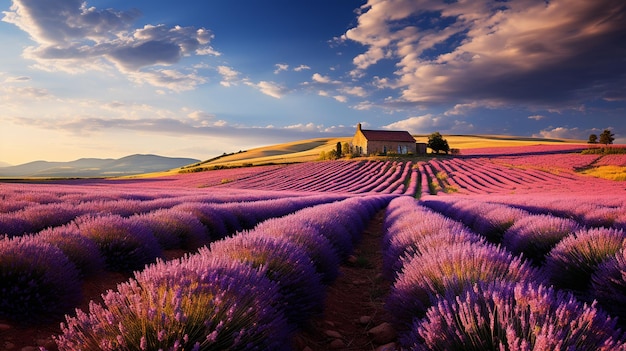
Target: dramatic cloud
x: 72, y: 37
x: 547, y: 54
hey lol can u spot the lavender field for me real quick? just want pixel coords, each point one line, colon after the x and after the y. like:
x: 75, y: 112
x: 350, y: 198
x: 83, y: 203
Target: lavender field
x: 508, y: 249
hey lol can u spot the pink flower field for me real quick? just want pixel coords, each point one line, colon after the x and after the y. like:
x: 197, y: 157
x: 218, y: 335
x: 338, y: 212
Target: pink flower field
x: 493, y: 249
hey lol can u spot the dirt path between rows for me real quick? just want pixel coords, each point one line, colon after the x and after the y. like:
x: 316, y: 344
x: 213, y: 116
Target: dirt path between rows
x: 354, y: 302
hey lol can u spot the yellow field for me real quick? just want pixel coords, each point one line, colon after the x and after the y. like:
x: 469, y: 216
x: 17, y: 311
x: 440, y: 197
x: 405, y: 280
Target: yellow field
x: 310, y: 149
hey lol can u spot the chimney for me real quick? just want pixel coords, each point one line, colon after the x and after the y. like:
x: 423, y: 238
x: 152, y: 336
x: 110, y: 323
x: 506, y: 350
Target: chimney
x: 358, y: 127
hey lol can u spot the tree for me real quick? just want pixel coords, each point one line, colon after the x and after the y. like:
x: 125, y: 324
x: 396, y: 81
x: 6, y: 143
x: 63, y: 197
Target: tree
x: 437, y: 143
x: 593, y: 139
x: 607, y: 137
x: 338, y: 150
x: 345, y: 149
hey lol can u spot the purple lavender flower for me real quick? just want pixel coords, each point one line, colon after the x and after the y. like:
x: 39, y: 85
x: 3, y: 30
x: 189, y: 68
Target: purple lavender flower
x: 449, y: 270
x: 573, y: 260
x: 38, y: 283
x: 79, y: 249
x: 534, y: 236
x: 508, y: 316
x: 175, y: 229
x: 317, y: 246
x: 608, y: 284
x: 218, y: 222
x: 12, y: 224
x: 285, y: 263
x: 198, y: 303
x: 125, y: 243
x: 493, y: 223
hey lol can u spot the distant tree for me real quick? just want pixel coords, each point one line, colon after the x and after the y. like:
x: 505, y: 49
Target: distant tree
x: 437, y: 143
x: 338, y: 150
x: 607, y: 137
x: 593, y: 139
x: 345, y: 149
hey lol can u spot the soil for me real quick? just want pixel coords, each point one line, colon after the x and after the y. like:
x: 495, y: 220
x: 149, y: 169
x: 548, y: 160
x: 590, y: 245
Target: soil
x: 354, y: 304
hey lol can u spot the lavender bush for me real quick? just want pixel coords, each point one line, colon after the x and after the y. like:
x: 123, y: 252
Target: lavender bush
x: 285, y: 263
x: 317, y: 246
x: 199, y: 303
x: 38, y: 283
x: 505, y: 316
x: 175, y: 229
x: 608, y: 285
x: 534, y: 236
x: 218, y: 222
x: 12, y: 224
x: 405, y: 247
x: 573, y: 260
x: 80, y: 250
x: 448, y: 270
x: 126, y: 244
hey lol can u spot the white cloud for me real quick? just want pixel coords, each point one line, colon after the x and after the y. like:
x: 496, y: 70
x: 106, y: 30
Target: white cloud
x: 301, y: 68
x: 272, y: 89
x: 562, y: 133
x: 280, y: 67
x: 229, y: 76
x: 71, y: 37
x: 536, y: 117
x: 416, y: 125
x: 340, y: 98
x: 355, y: 91
x: 318, y: 78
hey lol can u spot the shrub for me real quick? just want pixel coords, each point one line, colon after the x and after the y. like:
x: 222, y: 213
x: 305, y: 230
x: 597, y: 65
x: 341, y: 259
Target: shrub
x: 217, y: 222
x: 495, y: 222
x: 126, y: 244
x: 573, y: 260
x: 175, y: 229
x: 608, y: 285
x: 12, y: 224
x: 38, y: 283
x: 405, y: 247
x: 447, y: 271
x: 80, y: 250
x: 40, y: 217
x: 317, y: 246
x: 200, y: 303
x: 505, y: 316
x: 534, y: 236
x: 285, y: 263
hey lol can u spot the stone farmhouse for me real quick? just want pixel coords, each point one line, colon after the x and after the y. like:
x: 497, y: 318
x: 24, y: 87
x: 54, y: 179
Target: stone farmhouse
x: 374, y: 142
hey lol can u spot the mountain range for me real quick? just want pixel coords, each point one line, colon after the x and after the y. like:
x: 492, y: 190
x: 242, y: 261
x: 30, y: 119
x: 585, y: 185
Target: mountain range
x: 96, y: 167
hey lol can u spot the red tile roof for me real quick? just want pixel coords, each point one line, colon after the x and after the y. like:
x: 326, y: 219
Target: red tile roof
x: 388, y: 135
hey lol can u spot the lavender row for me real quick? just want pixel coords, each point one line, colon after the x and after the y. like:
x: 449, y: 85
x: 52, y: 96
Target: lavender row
x: 251, y: 291
x: 334, y: 176
x: 92, y: 243
x: 495, y: 176
x: 453, y: 291
x: 575, y: 258
x: 37, y: 217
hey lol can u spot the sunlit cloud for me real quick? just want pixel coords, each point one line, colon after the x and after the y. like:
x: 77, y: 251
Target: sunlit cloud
x: 280, y: 67
x: 494, y: 51
x: 301, y: 68
x: 69, y: 36
x: 272, y: 89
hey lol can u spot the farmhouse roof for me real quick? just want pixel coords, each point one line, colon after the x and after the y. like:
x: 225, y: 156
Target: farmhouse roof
x: 388, y: 135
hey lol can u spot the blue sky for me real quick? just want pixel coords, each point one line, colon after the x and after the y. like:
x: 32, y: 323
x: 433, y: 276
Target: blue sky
x: 199, y: 78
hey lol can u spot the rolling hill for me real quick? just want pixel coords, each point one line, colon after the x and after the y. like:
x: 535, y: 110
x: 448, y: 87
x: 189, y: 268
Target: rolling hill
x: 95, y: 167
